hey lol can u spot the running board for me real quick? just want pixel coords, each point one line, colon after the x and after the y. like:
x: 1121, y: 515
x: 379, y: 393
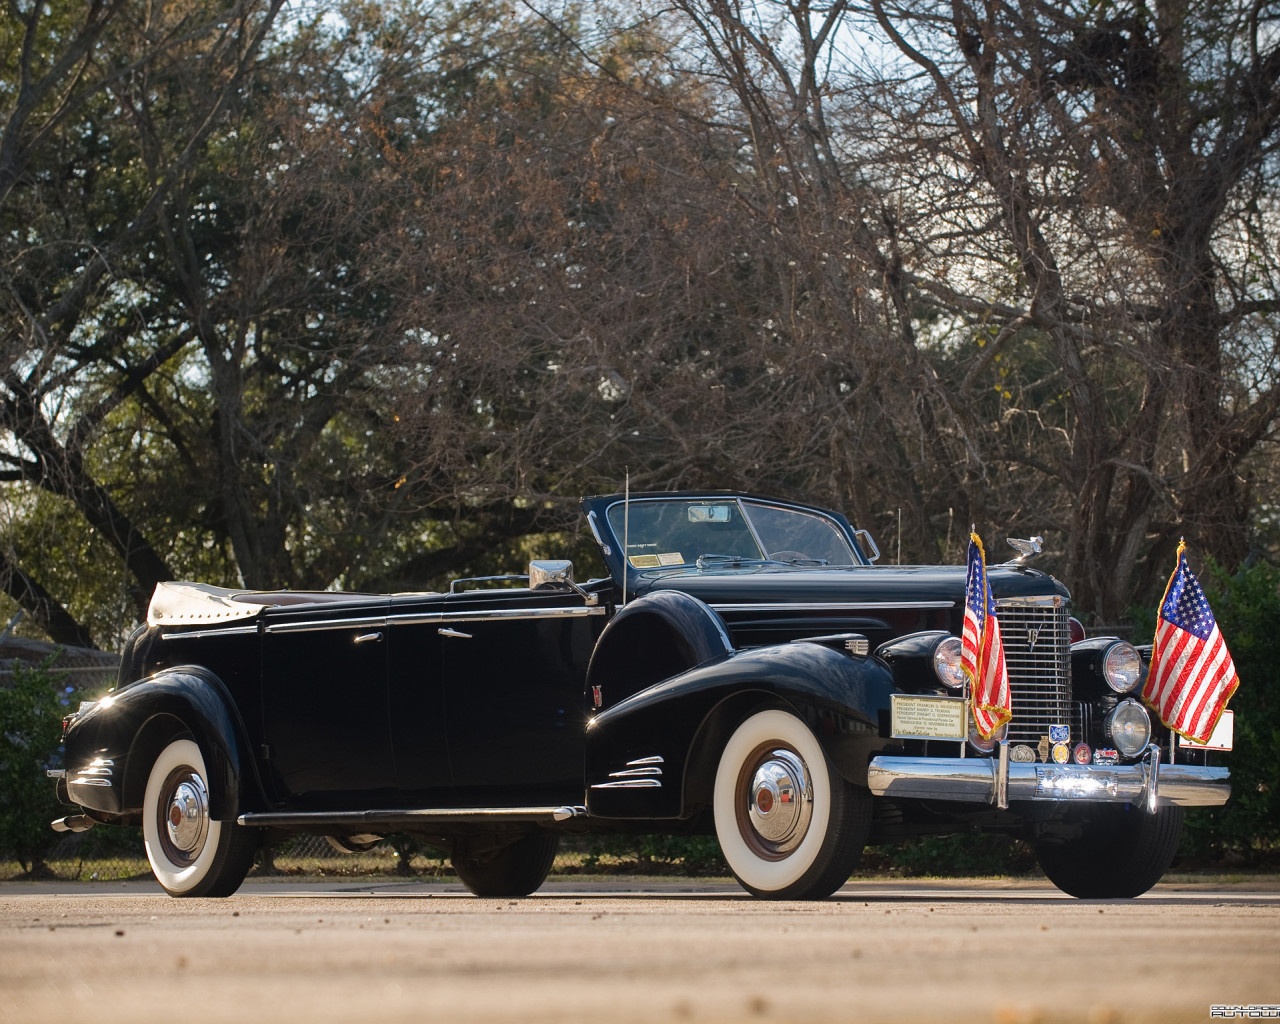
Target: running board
x: 408, y: 817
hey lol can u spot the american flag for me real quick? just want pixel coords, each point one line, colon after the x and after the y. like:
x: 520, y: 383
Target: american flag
x: 1192, y: 675
x: 983, y: 653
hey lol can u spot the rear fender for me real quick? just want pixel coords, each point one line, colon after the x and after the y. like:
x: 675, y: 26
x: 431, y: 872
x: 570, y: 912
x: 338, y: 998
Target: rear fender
x: 130, y: 726
x: 655, y: 753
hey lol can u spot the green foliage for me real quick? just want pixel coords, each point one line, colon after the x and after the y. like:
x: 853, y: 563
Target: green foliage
x: 973, y: 854
x: 653, y: 855
x: 31, y: 713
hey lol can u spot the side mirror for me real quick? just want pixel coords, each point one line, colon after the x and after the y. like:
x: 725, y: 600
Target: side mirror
x: 551, y: 575
x: 557, y: 575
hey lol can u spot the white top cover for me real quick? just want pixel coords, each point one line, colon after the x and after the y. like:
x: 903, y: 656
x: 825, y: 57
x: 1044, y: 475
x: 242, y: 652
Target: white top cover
x: 185, y: 604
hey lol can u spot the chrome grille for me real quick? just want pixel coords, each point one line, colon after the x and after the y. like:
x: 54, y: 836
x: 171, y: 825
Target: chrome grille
x: 1037, y: 652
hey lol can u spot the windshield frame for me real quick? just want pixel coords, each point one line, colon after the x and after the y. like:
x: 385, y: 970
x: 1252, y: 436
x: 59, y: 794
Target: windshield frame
x: 602, y: 511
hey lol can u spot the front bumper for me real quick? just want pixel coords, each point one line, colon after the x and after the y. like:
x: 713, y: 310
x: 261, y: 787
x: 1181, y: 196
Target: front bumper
x: 979, y: 780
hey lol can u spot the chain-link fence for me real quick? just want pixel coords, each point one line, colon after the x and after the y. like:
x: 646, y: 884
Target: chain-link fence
x: 115, y: 853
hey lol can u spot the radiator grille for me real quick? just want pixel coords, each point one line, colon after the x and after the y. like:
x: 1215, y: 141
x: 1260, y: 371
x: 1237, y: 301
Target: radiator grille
x: 1037, y: 651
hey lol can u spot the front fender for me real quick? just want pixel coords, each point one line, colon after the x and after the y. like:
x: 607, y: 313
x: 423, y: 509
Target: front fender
x: 110, y: 748
x: 651, y: 639
x: 652, y: 755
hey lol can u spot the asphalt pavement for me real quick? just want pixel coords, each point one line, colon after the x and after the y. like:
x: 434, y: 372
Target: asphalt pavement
x: 642, y: 951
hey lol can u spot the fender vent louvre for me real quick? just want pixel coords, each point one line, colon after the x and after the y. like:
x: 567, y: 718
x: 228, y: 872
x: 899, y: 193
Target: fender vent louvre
x: 641, y: 773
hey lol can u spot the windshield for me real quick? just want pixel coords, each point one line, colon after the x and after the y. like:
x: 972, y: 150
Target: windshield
x: 662, y: 532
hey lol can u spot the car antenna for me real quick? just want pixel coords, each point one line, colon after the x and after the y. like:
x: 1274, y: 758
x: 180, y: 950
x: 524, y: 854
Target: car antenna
x: 626, y: 531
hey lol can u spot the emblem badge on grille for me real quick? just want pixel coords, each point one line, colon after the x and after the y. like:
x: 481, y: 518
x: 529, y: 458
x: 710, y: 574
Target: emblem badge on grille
x: 1033, y: 634
x: 1022, y: 754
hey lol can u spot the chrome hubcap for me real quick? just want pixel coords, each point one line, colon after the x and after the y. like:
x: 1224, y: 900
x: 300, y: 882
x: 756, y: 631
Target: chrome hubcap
x: 779, y: 802
x: 187, y: 816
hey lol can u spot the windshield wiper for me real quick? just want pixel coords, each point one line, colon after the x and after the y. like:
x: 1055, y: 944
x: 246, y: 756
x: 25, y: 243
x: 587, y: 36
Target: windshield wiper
x: 710, y: 559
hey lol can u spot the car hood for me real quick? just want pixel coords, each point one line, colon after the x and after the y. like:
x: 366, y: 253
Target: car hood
x: 881, y: 584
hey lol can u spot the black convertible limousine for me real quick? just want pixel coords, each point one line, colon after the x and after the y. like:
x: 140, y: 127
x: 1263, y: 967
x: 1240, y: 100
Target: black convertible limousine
x: 744, y: 670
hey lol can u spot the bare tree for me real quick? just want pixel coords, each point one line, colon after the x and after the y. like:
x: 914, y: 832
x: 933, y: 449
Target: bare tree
x: 1126, y: 156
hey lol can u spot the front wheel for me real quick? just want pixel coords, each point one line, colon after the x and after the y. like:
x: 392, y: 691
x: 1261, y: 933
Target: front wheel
x: 1121, y: 853
x: 789, y: 825
x: 490, y: 866
x: 190, y: 853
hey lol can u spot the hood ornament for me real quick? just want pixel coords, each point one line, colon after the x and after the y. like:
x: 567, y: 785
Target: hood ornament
x: 1027, y: 549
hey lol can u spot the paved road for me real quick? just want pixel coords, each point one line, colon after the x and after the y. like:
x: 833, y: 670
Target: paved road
x: 876, y: 952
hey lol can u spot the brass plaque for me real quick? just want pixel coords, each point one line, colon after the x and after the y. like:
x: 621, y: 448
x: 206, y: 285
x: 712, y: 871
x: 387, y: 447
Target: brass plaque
x: 927, y: 718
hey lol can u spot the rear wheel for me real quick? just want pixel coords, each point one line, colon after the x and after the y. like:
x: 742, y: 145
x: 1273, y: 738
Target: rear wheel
x: 488, y: 866
x: 1121, y: 853
x: 789, y: 825
x: 190, y: 853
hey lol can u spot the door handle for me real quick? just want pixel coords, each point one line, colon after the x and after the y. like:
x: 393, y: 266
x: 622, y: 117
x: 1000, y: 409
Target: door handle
x: 369, y: 638
x: 446, y: 631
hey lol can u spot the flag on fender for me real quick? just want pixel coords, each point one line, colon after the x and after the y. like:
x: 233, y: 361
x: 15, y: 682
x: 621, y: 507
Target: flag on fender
x: 982, y: 656
x: 1192, y: 675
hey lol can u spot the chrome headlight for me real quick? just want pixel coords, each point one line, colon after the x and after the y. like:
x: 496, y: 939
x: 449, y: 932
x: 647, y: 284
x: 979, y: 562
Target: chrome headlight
x: 946, y: 663
x: 1122, y: 667
x: 1127, y: 727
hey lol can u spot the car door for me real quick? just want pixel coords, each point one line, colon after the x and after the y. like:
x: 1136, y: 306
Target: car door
x: 515, y: 665
x: 416, y: 694
x: 327, y: 743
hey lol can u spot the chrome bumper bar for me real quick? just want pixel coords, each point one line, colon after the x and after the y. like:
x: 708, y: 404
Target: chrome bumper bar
x: 979, y: 780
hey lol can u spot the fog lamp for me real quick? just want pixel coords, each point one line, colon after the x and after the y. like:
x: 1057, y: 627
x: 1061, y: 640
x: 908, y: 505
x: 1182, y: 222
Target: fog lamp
x: 1128, y: 727
x: 985, y: 746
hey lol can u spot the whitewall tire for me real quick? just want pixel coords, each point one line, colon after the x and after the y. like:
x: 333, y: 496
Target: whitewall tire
x: 190, y: 853
x: 789, y: 825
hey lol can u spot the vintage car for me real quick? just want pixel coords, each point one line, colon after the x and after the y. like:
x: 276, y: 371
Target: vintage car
x: 744, y: 670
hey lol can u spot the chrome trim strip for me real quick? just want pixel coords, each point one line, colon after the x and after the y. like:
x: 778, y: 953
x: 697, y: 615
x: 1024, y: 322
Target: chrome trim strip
x: 974, y: 780
x: 197, y: 634
x: 94, y: 781
x: 654, y: 759
x: 416, y: 619
x: 317, y: 625
x: 422, y: 619
x: 1042, y: 601
x: 629, y: 784
x: 851, y: 606
x: 411, y: 815
x: 628, y: 773
x: 494, y: 615
x: 595, y: 532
